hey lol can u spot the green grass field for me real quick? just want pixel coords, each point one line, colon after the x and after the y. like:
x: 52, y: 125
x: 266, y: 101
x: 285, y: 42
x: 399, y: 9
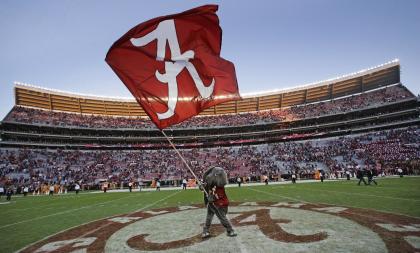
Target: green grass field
x: 26, y: 220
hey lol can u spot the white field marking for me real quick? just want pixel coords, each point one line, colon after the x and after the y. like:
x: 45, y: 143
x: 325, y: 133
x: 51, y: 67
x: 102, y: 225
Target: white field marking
x: 87, y: 241
x: 365, y: 216
x: 286, y: 204
x: 94, y: 230
x: 183, y: 208
x: 14, y: 210
x: 154, y: 203
x: 53, y: 246
x: 280, y: 196
x: 413, y: 241
x: 4, y: 203
x: 124, y: 219
x: 156, y: 212
x: 361, y: 194
x: 331, y: 209
x: 64, y: 212
x: 51, y: 199
x: 303, y: 222
x: 249, y: 204
x: 107, y: 224
x: 400, y: 228
x: 368, y: 195
x: 79, y: 251
x: 251, y: 218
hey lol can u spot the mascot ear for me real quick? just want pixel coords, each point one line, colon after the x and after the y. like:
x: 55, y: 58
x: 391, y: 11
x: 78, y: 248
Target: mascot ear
x: 220, y: 177
x: 215, y: 176
x: 207, y: 172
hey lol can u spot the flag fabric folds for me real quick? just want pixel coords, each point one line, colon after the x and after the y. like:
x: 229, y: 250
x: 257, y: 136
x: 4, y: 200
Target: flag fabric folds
x: 172, y: 65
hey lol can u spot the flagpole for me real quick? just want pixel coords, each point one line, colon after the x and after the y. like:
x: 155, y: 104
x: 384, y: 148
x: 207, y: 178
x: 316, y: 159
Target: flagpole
x: 189, y: 168
x: 183, y: 160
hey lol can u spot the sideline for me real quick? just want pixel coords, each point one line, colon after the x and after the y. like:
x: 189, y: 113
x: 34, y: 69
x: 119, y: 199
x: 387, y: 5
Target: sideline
x: 148, y: 189
x: 226, y: 186
x: 231, y: 185
x: 369, y: 195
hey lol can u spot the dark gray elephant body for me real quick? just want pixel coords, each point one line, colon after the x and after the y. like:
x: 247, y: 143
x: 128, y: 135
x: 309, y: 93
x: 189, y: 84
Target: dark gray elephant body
x: 214, y: 181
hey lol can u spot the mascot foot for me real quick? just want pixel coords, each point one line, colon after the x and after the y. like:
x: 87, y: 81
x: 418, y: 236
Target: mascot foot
x: 232, y: 233
x: 205, y: 235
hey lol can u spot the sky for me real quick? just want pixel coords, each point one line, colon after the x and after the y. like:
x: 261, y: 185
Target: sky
x: 61, y: 44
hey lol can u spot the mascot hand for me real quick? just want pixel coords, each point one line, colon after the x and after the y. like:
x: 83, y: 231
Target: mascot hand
x: 201, y: 186
x: 211, y: 198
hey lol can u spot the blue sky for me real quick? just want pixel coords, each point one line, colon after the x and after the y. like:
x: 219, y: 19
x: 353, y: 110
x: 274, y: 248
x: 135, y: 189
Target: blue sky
x: 274, y: 44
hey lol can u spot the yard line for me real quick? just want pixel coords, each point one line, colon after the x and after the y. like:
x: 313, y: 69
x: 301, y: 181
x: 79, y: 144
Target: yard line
x: 64, y: 212
x: 350, y: 193
x: 138, y: 210
x: 369, y: 195
x: 154, y: 203
x: 101, y: 227
x: 278, y: 195
x: 40, y: 206
x: 306, y: 202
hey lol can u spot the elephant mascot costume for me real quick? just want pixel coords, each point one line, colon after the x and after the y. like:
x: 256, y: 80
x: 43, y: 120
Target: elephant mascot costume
x: 214, y: 181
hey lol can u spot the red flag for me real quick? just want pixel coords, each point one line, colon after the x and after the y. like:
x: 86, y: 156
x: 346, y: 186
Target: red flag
x: 172, y: 65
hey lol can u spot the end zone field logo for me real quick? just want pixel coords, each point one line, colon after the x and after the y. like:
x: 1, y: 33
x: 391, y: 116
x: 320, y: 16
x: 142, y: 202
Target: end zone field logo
x: 261, y: 227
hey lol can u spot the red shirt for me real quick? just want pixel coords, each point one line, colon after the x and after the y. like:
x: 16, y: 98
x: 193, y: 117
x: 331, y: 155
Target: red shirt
x: 221, y: 197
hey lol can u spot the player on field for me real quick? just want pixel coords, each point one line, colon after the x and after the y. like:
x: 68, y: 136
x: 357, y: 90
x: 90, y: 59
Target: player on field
x: 370, y: 175
x: 348, y: 174
x: 322, y: 176
x: 140, y: 184
x: 105, y: 186
x: 130, y: 186
x: 184, y: 184
x: 1, y: 191
x: 51, y: 190
x: 9, y: 193
x: 360, y: 176
x: 25, y: 190
x: 400, y: 172
x: 158, y: 185
x: 239, y: 181
x: 77, y: 188
x: 294, y: 178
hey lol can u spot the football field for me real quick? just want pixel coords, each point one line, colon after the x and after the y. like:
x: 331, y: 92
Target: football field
x: 26, y: 220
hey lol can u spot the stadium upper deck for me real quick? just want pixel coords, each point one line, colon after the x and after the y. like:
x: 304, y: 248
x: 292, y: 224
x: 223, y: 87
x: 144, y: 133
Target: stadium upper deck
x: 365, y: 80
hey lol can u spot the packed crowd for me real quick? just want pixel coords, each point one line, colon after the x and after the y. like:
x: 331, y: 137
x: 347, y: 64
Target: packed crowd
x: 355, y: 102
x: 383, y: 151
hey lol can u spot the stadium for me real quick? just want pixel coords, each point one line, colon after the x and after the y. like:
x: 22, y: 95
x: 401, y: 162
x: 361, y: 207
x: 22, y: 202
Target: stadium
x: 53, y: 140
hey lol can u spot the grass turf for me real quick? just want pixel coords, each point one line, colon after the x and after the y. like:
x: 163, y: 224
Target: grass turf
x: 26, y: 220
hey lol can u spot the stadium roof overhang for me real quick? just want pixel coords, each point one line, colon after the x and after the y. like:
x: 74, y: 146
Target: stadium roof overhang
x: 353, y: 83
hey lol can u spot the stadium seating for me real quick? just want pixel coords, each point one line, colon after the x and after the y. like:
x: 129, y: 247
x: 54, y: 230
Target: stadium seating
x: 341, y: 105
x: 384, y: 150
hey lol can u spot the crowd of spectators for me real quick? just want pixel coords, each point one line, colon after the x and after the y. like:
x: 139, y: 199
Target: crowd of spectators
x: 384, y: 151
x: 354, y: 102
